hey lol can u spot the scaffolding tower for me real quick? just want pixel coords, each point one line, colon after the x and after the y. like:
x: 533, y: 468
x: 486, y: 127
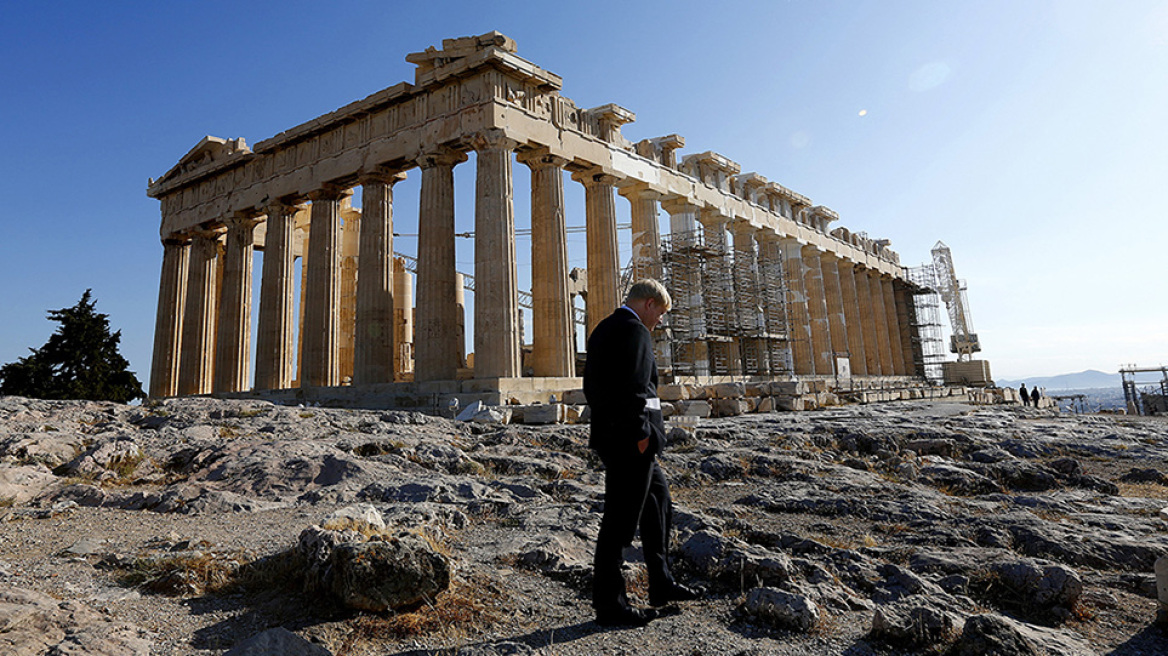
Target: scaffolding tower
x: 729, y: 308
x: 928, y: 338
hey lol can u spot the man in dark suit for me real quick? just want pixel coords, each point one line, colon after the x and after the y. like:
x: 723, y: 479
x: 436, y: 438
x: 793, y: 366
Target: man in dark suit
x: 620, y: 382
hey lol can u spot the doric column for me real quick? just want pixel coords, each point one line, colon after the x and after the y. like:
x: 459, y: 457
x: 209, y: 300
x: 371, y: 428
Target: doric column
x: 403, y: 319
x: 687, y: 320
x: 552, y: 353
x: 496, y: 316
x: 821, y: 345
x: 373, y: 350
x: 233, y: 343
x: 198, y: 339
x: 748, y: 308
x: 320, y: 360
x: 833, y: 293
x: 274, y: 355
x: 775, y: 300
x: 603, y: 254
x: 347, y: 316
x: 798, y: 320
x: 867, y: 321
x: 904, y: 316
x: 646, y: 242
x: 718, y: 288
x: 847, y: 282
x: 436, y: 351
x: 172, y: 291
x: 896, y: 346
x: 880, y: 320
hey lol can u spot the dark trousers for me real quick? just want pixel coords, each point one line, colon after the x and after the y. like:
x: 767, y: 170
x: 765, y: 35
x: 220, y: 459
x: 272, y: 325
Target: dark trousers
x: 635, y: 493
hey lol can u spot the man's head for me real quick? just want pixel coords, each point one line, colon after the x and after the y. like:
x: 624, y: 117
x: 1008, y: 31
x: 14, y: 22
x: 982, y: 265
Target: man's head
x: 650, y: 300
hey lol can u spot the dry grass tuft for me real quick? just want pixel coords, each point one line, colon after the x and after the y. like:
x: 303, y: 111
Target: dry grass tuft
x: 194, y: 573
x: 1143, y: 490
x: 467, y: 607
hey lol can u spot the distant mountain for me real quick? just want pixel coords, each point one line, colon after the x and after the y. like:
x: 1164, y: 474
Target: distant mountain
x: 1090, y: 379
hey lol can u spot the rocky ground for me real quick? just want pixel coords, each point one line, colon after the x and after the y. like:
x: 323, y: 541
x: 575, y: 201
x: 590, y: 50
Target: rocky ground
x: 185, y: 527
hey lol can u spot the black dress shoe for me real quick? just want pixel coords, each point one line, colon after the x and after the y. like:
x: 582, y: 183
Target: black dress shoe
x: 625, y: 617
x: 677, y: 592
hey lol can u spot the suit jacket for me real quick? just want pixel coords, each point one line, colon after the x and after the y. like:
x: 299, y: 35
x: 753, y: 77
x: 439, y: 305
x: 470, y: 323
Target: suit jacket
x: 620, y: 380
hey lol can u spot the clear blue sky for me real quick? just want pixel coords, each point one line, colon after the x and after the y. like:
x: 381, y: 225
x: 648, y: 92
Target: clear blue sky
x: 1028, y: 135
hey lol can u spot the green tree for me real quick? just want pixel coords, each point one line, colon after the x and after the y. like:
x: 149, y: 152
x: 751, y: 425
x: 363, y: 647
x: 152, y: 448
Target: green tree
x: 80, y: 361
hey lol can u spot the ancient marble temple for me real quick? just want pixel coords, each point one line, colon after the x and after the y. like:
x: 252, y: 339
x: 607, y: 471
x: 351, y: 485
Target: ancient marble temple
x: 763, y: 285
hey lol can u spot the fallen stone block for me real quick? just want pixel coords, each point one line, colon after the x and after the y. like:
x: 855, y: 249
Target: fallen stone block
x: 673, y: 392
x: 694, y: 408
x: 544, y: 413
x: 575, y: 397
x: 728, y: 391
x: 721, y: 407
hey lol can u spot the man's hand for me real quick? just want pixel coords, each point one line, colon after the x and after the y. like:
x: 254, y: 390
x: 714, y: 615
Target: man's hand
x: 643, y: 444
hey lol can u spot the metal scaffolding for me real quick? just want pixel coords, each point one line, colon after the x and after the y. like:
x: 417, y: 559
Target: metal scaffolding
x: 1144, y: 401
x: 729, y: 308
x: 928, y: 338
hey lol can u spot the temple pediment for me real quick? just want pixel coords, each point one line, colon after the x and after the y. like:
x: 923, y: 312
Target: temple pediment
x: 209, y: 153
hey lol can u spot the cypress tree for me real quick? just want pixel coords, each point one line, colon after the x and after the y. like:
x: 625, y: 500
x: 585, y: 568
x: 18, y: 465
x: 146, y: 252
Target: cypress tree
x: 80, y: 361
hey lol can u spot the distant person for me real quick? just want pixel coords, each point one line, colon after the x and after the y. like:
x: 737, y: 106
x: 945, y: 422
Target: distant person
x: 1022, y: 392
x: 1034, y: 396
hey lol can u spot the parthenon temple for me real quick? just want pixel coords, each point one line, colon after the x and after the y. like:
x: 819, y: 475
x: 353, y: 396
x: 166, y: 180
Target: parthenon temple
x: 766, y: 287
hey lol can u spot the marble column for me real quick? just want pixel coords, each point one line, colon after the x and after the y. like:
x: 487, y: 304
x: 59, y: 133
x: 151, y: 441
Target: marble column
x: 895, y: 344
x: 748, y: 310
x: 198, y: 339
x: 798, y: 319
x: 836, y: 317
x: 172, y: 291
x: 603, y: 254
x: 846, y: 273
x: 403, y: 319
x: 867, y: 321
x: 274, y: 354
x: 553, y: 353
x: 436, y: 350
x: 320, y: 359
x: 718, y: 285
x: 646, y: 242
x: 496, y: 317
x: 373, y: 350
x: 687, y: 319
x: 775, y: 299
x: 233, y: 342
x: 821, y: 344
x: 880, y: 321
x: 904, y: 316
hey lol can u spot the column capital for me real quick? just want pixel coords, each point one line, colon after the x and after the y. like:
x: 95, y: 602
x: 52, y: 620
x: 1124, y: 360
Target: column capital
x: 636, y: 190
x: 329, y: 192
x: 492, y: 139
x: 382, y: 174
x: 594, y: 176
x: 741, y: 226
x: 678, y: 204
x: 541, y: 158
x: 713, y: 217
x: 176, y: 240
x: 243, y: 219
x: 440, y: 156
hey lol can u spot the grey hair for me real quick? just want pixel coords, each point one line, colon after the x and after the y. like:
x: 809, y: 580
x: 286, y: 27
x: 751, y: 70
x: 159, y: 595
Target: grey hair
x: 649, y: 288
